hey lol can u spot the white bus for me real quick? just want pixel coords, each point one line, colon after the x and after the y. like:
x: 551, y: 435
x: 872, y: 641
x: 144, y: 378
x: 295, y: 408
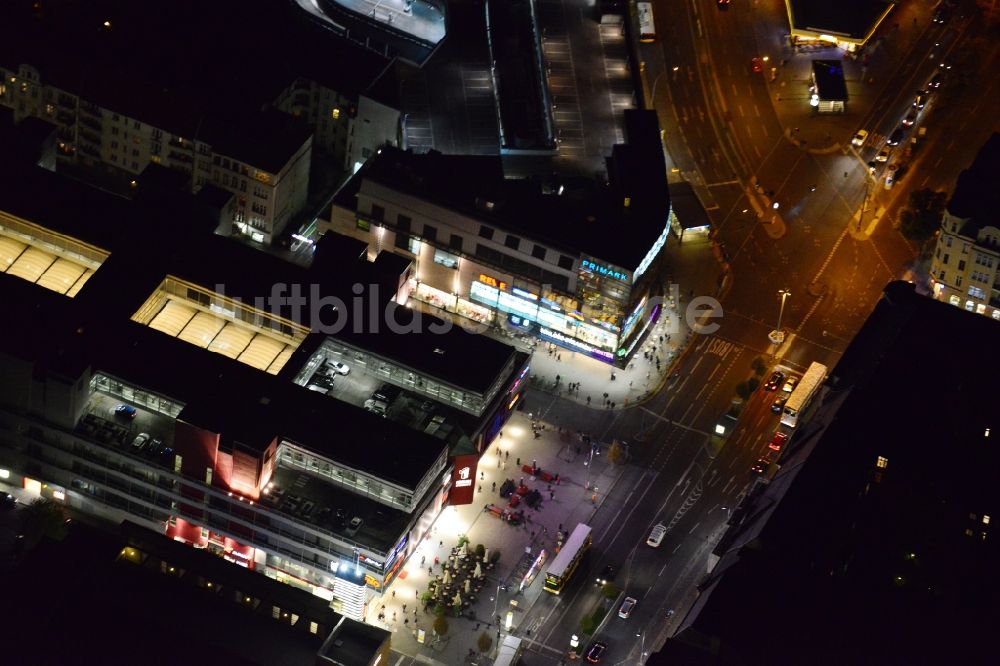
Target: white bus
x: 647, y: 29
x: 800, y: 397
x: 566, y: 562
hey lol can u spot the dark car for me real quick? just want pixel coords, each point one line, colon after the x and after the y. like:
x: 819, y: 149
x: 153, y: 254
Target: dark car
x: 779, y: 404
x: 895, y: 137
x: 777, y: 441
x: 596, y: 652
x: 760, y: 467
x: 722, y: 4
x: 935, y: 82
x: 942, y: 15
x: 607, y: 575
x: 7, y: 502
x: 776, y: 380
x: 125, y: 411
x: 920, y: 99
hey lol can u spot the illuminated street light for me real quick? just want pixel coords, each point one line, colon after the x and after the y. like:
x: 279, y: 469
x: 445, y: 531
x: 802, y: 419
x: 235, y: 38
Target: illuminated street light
x: 775, y: 205
x: 777, y: 336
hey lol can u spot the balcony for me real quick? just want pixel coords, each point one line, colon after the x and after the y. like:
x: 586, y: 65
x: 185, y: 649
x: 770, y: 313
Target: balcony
x: 65, y: 117
x: 92, y: 123
x: 90, y: 137
x: 66, y: 101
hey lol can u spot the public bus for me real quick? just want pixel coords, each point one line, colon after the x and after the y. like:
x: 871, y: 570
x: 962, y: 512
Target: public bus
x: 803, y: 392
x: 647, y: 29
x: 566, y: 562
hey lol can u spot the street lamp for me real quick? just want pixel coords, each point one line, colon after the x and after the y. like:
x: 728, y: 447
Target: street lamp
x: 642, y: 647
x: 777, y: 336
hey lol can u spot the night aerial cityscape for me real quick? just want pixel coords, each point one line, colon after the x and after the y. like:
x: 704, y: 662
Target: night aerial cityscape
x: 496, y: 332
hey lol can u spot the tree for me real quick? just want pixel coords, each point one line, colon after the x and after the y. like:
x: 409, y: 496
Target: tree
x: 743, y: 390
x: 922, y: 215
x: 759, y: 366
x: 480, y: 550
x: 43, y: 517
x: 440, y: 626
x: 753, y: 384
x: 616, y: 453
x: 484, y: 642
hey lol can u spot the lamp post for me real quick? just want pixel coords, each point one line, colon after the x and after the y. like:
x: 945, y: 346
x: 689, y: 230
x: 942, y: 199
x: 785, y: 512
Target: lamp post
x: 864, y: 206
x: 642, y: 647
x: 777, y: 336
x: 496, y: 600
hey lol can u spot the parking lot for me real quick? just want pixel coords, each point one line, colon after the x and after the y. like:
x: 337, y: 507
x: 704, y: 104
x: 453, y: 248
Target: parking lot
x: 102, y: 424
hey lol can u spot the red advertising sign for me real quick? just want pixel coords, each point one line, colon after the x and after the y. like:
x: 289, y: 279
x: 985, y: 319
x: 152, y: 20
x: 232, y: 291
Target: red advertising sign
x: 463, y: 479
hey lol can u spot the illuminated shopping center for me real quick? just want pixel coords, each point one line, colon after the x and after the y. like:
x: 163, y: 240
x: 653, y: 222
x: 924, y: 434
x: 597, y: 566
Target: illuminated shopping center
x: 150, y: 378
x: 574, y: 266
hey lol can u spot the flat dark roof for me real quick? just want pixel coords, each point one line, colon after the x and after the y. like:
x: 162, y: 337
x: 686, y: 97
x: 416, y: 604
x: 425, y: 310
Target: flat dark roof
x: 976, y: 197
x: 877, y: 545
x: 687, y: 206
x: 850, y: 18
x: 435, y: 348
x: 589, y: 221
x: 830, y: 84
x: 87, y: 606
x: 183, y: 73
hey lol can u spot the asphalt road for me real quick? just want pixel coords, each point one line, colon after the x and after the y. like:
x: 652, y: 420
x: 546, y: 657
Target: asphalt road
x: 834, y: 268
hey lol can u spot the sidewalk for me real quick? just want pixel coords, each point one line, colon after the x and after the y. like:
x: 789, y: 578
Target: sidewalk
x: 569, y: 502
x: 695, y: 270
x: 866, y: 75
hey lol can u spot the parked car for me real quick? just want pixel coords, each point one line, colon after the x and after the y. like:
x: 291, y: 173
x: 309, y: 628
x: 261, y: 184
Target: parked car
x: 626, y: 607
x: 935, y: 82
x: 883, y: 156
x: 338, y: 367
x: 790, y: 384
x: 722, y: 4
x: 920, y: 99
x: 141, y: 441
x: 860, y: 138
x: 607, y: 575
x: 125, y: 411
x: 777, y: 377
x: 895, y: 137
x: 656, y: 535
x: 760, y: 467
x: 353, y: 526
x: 890, y: 176
x: 910, y: 118
x: 7, y: 502
x: 756, y: 66
x: 777, y: 441
x: 596, y: 652
x: 779, y: 404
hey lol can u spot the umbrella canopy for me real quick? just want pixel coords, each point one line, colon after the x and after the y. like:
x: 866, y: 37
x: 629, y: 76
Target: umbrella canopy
x: 457, y: 601
x: 447, y: 577
x: 486, y: 555
x: 467, y: 586
x: 478, y: 573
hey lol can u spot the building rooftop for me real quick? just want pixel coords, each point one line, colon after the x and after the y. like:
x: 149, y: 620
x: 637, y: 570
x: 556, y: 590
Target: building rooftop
x: 877, y: 528
x: 830, y: 84
x: 110, y: 608
x: 194, y: 89
x: 116, y: 324
x: 851, y: 18
x: 976, y: 197
x: 590, y: 221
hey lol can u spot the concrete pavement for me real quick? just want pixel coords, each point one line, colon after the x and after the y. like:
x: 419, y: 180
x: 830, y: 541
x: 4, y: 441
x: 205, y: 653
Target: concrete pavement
x: 585, y: 481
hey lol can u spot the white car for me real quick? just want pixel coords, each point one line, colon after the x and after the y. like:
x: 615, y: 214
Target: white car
x: 656, y: 536
x: 338, y: 367
x: 860, y: 138
x: 626, y: 607
x: 883, y: 155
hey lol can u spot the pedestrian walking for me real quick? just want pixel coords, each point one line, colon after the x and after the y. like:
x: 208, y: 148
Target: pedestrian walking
x: 506, y: 454
x: 494, y: 486
x: 394, y: 594
x: 518, y: 462
x: 423, y: 558
x: 480, y: 489
x: 440, y: 544
x: 552, y: 495
x: 588, y: 397
x: 404, y: 608
x: 482, y: 476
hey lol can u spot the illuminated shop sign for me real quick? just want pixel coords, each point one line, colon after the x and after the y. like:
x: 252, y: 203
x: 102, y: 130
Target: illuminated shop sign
x: 480, y: 292
x: 633, y: 318
x: 510, y: 303
x: 524, y: 294
x: 653, y: 251
x: 604, y: 270
x: 492, y: 281
x: 370, y: 562
x: 463, y: 478
x: 396, y: 551
x: 573, y: 343
x: 552, y: 305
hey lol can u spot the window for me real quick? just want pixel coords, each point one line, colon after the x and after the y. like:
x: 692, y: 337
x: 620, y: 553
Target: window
x: 208, y: 476
x: 996, y: 314
x: 313, y: 628
x: 882, y: 462
x: 114, y: 131
x: 404, y: 223
x: 565, y: 262
x: 538, y: 252
x: 513, y: 242
x: 178, y: 461
x: 954, y: 300
x: 961, y: 264
x: 486, y: 232
x: 970, y: 305
x: 958, y: 281
x: 946, y: 257
x: 430, y: 233
x: 445, y: 259
x: 114, y: 145
x: 947, y: 241
x: 364, y: 225
x: 402, y: 241
x: 378, y: 213
x: 414, y: 245
x: 980, y: 309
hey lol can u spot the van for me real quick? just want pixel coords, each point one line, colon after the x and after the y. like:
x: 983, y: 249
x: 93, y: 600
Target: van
x: 376, y: 406
x: 656, y: 536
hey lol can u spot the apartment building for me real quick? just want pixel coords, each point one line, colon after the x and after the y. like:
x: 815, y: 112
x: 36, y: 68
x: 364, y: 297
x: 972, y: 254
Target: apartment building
x: 245, y: 125
x: 965, y: 267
